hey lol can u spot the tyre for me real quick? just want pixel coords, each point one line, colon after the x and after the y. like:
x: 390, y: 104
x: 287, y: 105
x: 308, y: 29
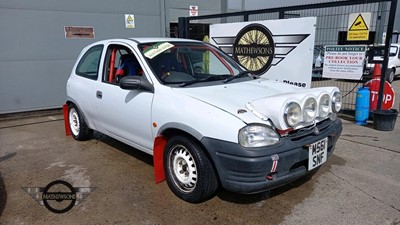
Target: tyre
x: 390, y: 75
x: 79, y: 129
x: 189, y: 172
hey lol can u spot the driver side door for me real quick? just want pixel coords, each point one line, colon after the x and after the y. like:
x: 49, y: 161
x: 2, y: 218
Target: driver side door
x: 124, y: 114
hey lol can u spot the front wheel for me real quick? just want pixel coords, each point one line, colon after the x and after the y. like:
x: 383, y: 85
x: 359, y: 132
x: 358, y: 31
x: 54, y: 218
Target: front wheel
x: 79, y: 130
x: 190, y: 174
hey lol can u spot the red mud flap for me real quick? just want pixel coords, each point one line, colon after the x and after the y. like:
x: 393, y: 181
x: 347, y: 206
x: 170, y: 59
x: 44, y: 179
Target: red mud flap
x: 66, y: 120
x: 158, y: 155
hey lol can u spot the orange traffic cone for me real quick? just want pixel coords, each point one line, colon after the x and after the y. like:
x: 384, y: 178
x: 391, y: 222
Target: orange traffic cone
x: 377, y: 71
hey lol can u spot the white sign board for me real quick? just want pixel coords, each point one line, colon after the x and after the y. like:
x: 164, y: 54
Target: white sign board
x: 344, y: 61
x: 193, y: 10
x: 129, y: 21
x: 280, y: 50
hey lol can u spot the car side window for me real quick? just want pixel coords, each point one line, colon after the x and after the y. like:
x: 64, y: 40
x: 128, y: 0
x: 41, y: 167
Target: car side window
x: 88, y: 66
x: 120, y: 62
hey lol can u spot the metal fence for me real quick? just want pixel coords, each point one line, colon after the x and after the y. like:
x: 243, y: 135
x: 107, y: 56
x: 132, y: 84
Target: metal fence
x: 331, y: 29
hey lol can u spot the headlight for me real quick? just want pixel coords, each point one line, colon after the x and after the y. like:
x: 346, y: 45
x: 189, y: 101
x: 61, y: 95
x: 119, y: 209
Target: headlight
x: 292, y: 114
x: 310, y: 110
x: 336, y: 101
x: 257, y: 136
x: 324, y: 105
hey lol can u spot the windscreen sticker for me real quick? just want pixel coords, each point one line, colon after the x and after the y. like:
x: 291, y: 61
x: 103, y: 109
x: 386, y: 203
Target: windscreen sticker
x: 157, y: 49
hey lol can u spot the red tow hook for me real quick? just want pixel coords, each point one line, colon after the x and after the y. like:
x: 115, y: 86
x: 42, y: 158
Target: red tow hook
x: 271, y: 176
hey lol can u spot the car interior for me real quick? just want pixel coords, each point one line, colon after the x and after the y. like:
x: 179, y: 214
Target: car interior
x: 120, y: 62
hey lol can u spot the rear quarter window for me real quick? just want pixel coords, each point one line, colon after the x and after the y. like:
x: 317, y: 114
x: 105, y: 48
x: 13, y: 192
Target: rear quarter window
x: 88, y: 65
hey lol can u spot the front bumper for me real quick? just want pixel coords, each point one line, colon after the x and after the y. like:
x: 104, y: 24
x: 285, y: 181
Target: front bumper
x: 248, y: 170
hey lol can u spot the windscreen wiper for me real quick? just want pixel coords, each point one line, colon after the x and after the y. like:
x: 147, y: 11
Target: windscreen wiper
x: 213, y: 78
x: 239, y: 75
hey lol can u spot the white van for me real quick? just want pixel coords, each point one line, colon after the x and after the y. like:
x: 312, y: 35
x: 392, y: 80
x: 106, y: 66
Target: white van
x: 393, y: 65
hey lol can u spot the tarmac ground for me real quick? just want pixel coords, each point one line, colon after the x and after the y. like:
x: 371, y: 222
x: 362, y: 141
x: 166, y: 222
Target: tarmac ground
x: 359, y: 184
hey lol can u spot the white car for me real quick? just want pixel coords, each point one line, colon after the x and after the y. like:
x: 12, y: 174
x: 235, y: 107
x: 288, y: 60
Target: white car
x: 206, y: 120
x: 393, y: 64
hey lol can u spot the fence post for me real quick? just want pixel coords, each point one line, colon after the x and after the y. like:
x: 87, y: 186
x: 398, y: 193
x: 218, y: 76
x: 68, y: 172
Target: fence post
x: 388, y: 40
x: 281, y: 14
x: 246, y: 17
x: 183, y: 26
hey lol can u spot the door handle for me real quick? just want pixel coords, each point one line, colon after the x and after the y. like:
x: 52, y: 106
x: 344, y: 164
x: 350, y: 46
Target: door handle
x: 99, y: 94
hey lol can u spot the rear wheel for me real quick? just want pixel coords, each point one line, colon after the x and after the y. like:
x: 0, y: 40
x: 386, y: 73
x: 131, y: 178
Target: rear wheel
x: 190, y: 174
x: 79, y: 130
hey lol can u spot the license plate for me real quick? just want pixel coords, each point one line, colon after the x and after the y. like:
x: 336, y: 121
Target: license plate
x: 317, y: 153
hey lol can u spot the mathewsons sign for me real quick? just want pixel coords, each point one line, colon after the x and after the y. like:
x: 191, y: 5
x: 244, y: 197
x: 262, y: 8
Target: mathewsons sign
x: 254, y: 48
x: 281, y: 50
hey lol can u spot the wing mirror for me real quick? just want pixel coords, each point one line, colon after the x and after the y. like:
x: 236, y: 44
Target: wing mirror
x: 136, y: 83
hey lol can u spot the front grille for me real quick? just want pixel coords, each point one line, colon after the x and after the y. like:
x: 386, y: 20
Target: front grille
x: 308, y: 131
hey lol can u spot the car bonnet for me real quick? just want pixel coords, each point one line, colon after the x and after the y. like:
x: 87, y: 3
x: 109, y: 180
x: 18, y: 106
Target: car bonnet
x: 263, y: 98
x: 233, y: 97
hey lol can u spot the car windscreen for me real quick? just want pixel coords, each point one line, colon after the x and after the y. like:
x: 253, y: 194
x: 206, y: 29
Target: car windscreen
x: 186, y: 63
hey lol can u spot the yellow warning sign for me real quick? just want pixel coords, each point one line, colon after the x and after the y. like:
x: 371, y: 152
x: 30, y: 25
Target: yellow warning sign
x: 129, y: 21
x: 358, y: 26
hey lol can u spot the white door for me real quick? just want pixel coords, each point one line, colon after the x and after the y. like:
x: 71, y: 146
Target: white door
x: 123, y: 114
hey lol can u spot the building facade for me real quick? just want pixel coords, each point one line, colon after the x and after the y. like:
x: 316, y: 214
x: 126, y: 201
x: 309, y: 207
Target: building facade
x: 40, y: 40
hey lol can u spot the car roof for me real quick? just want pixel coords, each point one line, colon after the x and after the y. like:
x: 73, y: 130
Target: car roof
x: 141, y: 40
x: 160, y: 39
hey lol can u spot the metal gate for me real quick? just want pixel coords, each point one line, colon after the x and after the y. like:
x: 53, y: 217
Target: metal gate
x: 331, y: 29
